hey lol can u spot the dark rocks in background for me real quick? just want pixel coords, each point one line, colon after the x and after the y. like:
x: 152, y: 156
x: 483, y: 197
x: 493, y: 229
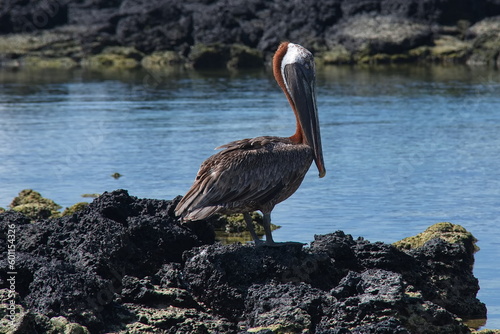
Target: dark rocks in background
x: 154, y: 25
x: 380, y: 34
x: 338, y: 31
x: 485, y: 37
x: 124, y: 264
x: 221, y: 56
x: 27, y: 16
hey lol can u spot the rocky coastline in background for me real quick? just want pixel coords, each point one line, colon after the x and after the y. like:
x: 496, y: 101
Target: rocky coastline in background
x: 122, y: 264
x: 239, y: 34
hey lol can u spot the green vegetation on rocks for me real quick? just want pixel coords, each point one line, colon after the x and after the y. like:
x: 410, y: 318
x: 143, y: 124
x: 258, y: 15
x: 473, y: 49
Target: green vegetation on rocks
x: 114, y: 56
x: 161, y: 275
x: 75, y: 208
x: 450, y: 49
x: 162, y: 59
x: 27, y: 321
x: 232, y: 228
x: 448, y: 232
x: 33, y: 205
x: 218, y: 34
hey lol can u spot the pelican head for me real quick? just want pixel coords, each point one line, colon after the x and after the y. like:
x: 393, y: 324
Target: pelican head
x: 294, y: 70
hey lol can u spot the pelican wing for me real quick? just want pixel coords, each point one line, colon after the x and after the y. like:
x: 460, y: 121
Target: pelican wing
x: 246, y: 175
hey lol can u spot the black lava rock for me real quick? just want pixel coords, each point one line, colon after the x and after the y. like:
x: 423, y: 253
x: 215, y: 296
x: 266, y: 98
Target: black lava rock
x: 362, y: 286
x: 32, y: 15
x: 220, y: 276
x: 365, y: 26
x: 74, y: 266
x: 125, y: 263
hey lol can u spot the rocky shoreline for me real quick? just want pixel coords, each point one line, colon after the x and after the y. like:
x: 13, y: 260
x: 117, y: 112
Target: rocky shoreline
x: 127, y: 265
x: 238, y: 34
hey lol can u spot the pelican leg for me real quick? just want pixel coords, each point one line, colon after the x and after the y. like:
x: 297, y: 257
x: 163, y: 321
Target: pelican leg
x: 267, y: 228
x: 249, y: 221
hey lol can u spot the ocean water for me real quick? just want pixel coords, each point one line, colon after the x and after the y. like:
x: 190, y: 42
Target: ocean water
x: 405, y: 146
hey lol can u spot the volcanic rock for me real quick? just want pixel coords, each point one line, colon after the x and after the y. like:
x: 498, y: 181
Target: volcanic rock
x: 238, y: 34
x: 124, y: 264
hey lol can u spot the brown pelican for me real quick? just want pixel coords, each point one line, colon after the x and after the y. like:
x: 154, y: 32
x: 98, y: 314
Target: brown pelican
x: 258, y: 173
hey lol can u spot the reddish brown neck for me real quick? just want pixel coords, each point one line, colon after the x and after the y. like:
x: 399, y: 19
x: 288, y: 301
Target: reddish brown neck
x: 298, y: 137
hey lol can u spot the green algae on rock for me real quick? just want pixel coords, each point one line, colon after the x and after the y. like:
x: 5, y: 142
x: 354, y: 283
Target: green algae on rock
x: 33, y: 205
x: 75, y: 208
x: 485, y: 42
x: 337, y: 55
x: 48, y: 62
x: 450, y: 49
x: 232, y: 228
x: 91, y: 195
x: 487, y: 331
x: 62, y: 325
x: 114, y: 56
x: 242, y: 56
x: 116, y: 175
x: 156, y: 319
x: 161, y: 59
x: 160, y: 275
x: 216, y: 55
x: 218, y: 34
x: 448, y: 232
x: 28, y: 321
x: 204, y: 56
x: 55, y: 48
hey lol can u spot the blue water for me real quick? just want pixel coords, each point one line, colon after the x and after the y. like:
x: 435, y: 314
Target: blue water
x: 405, y: 147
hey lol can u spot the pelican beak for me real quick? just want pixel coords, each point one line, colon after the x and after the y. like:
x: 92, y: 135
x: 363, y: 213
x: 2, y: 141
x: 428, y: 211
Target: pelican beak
x: 300, y: 82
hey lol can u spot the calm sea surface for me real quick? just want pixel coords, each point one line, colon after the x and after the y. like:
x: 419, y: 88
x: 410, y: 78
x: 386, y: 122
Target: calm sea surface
x: 405, y: 147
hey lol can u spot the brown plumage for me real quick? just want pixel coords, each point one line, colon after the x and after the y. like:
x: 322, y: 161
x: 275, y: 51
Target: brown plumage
x: 258, y: 173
